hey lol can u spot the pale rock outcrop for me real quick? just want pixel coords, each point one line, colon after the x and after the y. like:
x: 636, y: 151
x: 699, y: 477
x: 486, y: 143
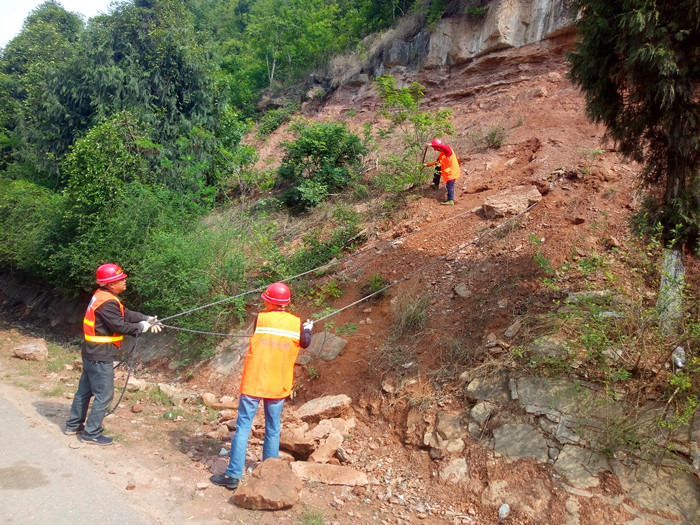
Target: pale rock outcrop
x: 509, y: 23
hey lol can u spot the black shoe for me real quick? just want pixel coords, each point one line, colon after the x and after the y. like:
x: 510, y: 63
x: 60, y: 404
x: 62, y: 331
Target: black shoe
x: 222, y: 480
x: 74, y: 431
x: 101, y: 440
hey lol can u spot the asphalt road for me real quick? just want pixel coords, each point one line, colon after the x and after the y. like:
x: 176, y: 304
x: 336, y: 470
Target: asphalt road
x: 42, y: 481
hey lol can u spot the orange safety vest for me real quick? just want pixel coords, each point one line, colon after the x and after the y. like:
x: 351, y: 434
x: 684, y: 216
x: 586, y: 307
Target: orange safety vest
x: 269, y: 364
x: 449, y: 166
x: 99, y: 298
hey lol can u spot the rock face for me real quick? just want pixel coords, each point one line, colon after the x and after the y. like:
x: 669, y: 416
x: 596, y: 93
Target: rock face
x: 509, y: 23
x: 271, y: 486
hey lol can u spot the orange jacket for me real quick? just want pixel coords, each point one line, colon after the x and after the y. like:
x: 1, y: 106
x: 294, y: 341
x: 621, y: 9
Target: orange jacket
x: 268, y: 370
x: 449, y: 166
x: 97, y: 300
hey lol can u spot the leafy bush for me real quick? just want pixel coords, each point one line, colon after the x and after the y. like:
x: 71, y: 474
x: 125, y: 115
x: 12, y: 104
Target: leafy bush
x: 28, y: 213
x: 274, y: 118
x: 401, y: 107
x: 477, y: 13
x: 325, y: 158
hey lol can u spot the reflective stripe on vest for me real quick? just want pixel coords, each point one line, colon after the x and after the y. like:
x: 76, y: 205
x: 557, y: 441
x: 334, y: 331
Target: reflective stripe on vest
x: 449, y: 166
x: 98, y: 299
x: 268, y: 371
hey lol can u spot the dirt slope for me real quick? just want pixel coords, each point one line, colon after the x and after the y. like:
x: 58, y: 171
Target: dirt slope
x: 587, y: 200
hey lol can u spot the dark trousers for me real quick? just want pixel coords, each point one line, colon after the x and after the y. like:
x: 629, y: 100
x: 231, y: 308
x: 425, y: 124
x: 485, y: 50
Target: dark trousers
x: 450, y: 184
x: 96, y: 380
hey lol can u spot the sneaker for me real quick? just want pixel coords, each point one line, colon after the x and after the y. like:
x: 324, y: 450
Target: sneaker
x: 222, y: 480
x: 101, y: 440
x: 448, y: 203
x: 74, y: 431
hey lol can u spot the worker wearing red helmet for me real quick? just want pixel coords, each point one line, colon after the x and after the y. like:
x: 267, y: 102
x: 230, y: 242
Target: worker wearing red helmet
x: 268, y: 372
x: 447, y: 167
x: 106, y: 323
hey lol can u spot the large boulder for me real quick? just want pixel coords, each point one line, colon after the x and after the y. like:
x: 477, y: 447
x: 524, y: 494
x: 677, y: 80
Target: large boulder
x: 271, y: 486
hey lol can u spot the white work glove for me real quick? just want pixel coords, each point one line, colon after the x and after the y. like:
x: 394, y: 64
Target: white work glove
x: 309, y: 325
x: 145, y: 325
x: 152, y: 319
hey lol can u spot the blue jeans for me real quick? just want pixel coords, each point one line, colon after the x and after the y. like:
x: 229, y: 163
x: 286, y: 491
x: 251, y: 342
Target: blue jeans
x: 247, y: 407
x: 450, y: 185
x: 96, y: 380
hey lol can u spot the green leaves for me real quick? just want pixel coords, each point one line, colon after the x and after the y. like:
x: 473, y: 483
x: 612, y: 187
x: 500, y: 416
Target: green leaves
x: 637, y: 64
x: 326, y: 157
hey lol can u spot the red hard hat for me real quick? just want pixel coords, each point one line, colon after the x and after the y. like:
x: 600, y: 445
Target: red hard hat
x: 436, y: 143
x: 108, y: 273
x: 277, y: 293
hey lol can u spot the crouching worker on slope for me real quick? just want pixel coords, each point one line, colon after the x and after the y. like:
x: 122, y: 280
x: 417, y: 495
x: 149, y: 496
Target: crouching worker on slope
x: 106, y: 323
x: 268, y: 372
x: 447, y: 167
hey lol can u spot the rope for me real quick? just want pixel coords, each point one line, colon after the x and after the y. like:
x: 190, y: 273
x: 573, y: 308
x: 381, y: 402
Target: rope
x: 405, y: 278
x: 318, y: 268
x: 442, y: 258
x: 132, y: 352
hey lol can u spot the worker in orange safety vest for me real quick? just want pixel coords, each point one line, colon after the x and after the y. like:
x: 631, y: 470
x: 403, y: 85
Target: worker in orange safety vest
x: 106, y: 323
x: 268, y: 373
x: 447, y: 167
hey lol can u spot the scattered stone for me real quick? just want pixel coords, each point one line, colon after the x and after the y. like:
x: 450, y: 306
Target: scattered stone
x: 492, y: 388
x: 130, y: 486
x: 580, y: 466
x: 208, y: 398
x: 297, y: 442
x: 549, y: 346
x: 32, y: 351
x: 455, y: 472
x: 327, y: 449
x: 326, y: 346
x: 325, y: 407
x: 513, y: 329
x: 448, y: 426
x: 503, y: 511
x: 271, y: 486
x: 202, y: 485
x: 329, y: 474
x: 481, y: 411
x: 518, y: 441
x: 510, y: 201
x: 463, y: 291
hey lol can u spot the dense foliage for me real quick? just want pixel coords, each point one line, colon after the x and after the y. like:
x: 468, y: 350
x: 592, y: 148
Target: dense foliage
x: 637, y: 63
x: 120, y: 135
x: 324, y: 159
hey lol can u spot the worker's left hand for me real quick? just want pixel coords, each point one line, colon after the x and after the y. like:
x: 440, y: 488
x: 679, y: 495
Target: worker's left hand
x: 309, y: 325
x: 156, y: 328
x: 152, y: 319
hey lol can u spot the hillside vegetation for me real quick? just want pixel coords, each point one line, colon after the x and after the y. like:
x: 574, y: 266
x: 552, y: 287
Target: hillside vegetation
x: 135, y: 138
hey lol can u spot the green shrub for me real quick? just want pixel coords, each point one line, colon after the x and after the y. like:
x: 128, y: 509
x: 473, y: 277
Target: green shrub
x: 28, y: 214
x: 325, y: 158
x: 274, y: 118
x: 477, y: 13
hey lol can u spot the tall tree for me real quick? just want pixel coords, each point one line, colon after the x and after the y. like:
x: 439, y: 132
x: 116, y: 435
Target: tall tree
x: 47, y: 42
x: 638, y: 63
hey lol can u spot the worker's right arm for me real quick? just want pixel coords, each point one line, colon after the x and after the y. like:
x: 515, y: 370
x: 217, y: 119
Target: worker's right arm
x: 111, y: 317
